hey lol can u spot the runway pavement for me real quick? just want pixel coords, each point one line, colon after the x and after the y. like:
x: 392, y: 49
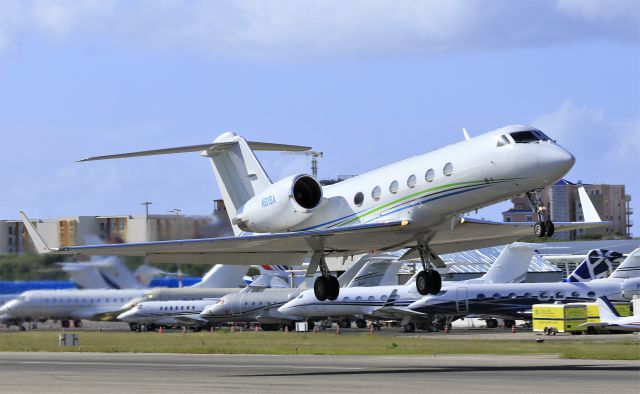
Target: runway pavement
x: 91, y: 372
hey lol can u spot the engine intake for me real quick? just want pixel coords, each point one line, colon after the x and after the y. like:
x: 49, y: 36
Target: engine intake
x: 282, y: 206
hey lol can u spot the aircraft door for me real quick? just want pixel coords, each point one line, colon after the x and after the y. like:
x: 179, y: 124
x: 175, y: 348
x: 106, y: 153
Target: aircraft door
x: 462, y: 300
x: 237, y: 304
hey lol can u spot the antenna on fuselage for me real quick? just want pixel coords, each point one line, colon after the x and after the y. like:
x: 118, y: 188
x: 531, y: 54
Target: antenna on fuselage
x: 466, y: 135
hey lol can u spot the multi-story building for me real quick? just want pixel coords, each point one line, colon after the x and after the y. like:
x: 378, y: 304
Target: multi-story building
x: 562, y: 204
x: 82, y: 230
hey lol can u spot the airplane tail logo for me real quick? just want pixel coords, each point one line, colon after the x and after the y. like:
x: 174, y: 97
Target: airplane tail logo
x: 596, y: 265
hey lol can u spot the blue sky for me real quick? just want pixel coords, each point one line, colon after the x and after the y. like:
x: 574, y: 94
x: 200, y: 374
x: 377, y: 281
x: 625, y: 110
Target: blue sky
x: 366, y: 82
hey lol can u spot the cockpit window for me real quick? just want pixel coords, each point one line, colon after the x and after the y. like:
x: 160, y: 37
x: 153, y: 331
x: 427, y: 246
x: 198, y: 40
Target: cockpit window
x: 524, y: 137
x: 541, y: 135
x: 503, y: 140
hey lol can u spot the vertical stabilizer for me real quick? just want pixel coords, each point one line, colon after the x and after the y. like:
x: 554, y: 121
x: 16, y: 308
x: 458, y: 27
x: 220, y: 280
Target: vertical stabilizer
x: 606, y: 310
x: 512, y: 264
x: 222, y: 276
x: 629, y: 268
x: 596, y: 265
x: 238, y: 172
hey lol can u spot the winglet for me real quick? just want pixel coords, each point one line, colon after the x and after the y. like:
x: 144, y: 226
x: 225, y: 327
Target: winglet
x: 466, y: 135
x: 391, y: 300
x: 38, y: 242
x: 589, y: 211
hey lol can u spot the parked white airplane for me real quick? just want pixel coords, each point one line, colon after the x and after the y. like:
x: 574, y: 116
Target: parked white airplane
x: 258, y: 304
x: 148, y: 315
x: 611, y: 319
x: 66, y: 305
x: 516, y: 300
x: 390, y: 302
x: 413, y: 203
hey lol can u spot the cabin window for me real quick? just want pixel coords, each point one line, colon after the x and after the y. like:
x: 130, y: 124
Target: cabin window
x: 383, y: 297
x: 346, y: 299
x: 503, y: 140
x: 512, y: 295
x: 448, y: 169
x: 559, y: 294
x: 480, y: 296
x: 527, y: 295
x: 411, y: 181
x: 358, y: 198
x: 591, y: 294
x: 371, y: 298
x: 358, y: 298
x: 394, y: 186
x: 429, y: 175
x: 543, y: 295
x: 575, y: 294
x: 376, y: 192
x: 441, y: 292
x: 496, y: 296
x: 524, y: 137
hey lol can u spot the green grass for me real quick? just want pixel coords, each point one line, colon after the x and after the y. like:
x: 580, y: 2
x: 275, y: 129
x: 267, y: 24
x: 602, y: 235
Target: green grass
x: 319, y: 343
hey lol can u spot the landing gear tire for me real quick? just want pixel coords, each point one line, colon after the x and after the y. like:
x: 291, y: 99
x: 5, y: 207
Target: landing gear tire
x: 550, y: 228
x: 422, y: 283
x: 539, y: 229
x: 435, y: 282
x: 311, y: 325
x: 134, y: 326
x: 492, y: 323
x: 334, y: 288
x: 77, y: 323
x: 345, y: 323
x: 409, y: 327
x: 321, y: 288
x: 361, y: 323
x: 64, y: 323
x: 22, y: 328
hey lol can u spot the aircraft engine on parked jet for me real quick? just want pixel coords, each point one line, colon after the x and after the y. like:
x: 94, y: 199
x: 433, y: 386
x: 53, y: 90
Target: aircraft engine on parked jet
x: 282, y: 206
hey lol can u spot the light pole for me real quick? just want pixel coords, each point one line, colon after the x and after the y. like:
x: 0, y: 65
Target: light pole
x: 146, y: 216
x: 176, y: 211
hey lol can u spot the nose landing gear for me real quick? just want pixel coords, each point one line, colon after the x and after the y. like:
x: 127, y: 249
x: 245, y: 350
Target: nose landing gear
x: 544, y: 226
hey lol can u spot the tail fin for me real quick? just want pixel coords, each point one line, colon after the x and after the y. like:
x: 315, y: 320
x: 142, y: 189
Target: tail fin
x: 629, y: 268
x: 238, y: 172
x: 222, y: 276
x: 512, y: 264
x: 607, y: 311
x: 596, y: 265
x: 377, y: 273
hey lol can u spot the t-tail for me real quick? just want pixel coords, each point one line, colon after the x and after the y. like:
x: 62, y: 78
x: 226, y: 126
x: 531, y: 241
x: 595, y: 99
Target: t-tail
x: 239, y: 174
x: 596, y: 265
x: 629, y: 268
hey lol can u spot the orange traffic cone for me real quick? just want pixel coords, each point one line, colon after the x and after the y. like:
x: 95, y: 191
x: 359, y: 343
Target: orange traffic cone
x: 371, y: 329
x: 338, y: 330
x: 446, y: 328
x: 160, y: 330
x: 286, y: 328
x: 233, y: 328
x: 513, y: 329
x: 256, y: 328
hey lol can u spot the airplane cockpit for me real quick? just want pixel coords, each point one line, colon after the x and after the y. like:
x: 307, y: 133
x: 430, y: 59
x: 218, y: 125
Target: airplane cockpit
x: 523, y: 137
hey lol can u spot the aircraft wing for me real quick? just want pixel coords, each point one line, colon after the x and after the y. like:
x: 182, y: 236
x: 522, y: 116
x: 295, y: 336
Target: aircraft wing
x: 280, y: 248
x: 190, y: 320
x: 95, y: 313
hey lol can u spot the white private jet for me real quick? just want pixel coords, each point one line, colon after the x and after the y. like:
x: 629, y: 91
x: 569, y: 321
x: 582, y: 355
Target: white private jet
x: 611, y: 319
x: 415, y: 203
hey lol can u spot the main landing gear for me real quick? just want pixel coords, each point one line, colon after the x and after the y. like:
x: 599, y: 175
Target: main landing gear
x: 326, y: 286
x: 428, y: 281
x: 543, y: 227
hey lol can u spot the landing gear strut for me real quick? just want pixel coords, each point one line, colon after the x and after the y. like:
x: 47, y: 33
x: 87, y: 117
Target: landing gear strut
x: 543, y: 227
x: 326, y: 287
x: 428, y: 281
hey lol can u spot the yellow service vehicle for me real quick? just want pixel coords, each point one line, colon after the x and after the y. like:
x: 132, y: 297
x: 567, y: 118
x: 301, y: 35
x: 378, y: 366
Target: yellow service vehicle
x: 554, y: 318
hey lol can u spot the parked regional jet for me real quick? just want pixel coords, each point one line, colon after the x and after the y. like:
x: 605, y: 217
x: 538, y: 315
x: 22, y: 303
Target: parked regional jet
x: 611, y: 319
x: 515, y: 300
x: 66, y: 305
x: 147, y: 315
x: 414, y: 203
x: 390, y: 302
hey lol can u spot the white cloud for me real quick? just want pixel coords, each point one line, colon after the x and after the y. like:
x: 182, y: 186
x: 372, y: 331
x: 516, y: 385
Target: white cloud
x: 570, y: 120
x: 323, y: 27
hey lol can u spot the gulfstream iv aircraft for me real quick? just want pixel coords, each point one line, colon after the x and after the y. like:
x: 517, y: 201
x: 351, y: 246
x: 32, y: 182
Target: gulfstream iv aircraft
x: 416, y: 203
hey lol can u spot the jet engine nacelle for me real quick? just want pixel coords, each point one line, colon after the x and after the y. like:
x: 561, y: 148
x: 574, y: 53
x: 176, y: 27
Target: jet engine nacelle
x: 631, y: 287
x: 280, y: 207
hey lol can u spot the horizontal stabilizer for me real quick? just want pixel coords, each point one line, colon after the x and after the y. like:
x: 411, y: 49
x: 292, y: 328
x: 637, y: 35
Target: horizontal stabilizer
x: 263, y: 146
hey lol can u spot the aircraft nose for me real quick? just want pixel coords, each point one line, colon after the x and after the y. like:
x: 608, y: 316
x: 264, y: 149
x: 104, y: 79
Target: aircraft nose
x: 124, y: 316
x: 556, y: 161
